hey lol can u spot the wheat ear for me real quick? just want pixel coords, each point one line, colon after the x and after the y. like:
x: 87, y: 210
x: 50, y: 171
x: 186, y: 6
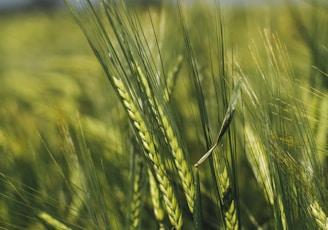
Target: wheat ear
x: 135, y: 203
x: 156, y: 200
x: 180, y: 162
x: 171, y: 78
x: 170, y: 200
x: 319, y: 215
x: 184, y: 171
x: 77, y: 176
x: 52, y: 221
x: 228, y: 203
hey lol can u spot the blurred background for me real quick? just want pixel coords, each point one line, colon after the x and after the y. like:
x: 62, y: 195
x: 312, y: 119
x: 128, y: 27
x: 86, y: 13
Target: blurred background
x: 49, y: 74
x: 9, y: 5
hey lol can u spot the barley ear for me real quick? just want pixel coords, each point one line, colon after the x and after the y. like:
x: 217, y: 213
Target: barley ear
x: 151, y: 154
x: 76, y: 174
x: 137, y: 193
x: 170, y: 200
x: 184, y: 171
x: 156, y: 200
x: 172, y: 77
x: 49, y: 220
x: 227, y: 201
x: 171, y: 137
x: 319, y: 215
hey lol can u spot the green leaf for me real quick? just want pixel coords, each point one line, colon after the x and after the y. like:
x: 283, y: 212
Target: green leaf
x: 225, y: 124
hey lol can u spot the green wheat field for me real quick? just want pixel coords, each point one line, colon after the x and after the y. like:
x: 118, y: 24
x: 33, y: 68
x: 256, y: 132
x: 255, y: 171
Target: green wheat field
x: 167, y: 116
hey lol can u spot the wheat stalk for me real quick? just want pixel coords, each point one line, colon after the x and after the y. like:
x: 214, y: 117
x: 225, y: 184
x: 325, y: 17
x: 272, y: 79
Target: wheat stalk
x: 156, y: 200
x: 166, y: 126
x: 135, y: 204
x: 170, y: 200
x: 112, y: 63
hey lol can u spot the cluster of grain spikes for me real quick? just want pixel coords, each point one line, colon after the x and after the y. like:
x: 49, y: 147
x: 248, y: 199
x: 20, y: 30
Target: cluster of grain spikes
x: 171, y: 138
x: 137, y: 195
x: 148, y: 117
x: 280, y: 147
x: 133, y: 74
x: 154, y: 159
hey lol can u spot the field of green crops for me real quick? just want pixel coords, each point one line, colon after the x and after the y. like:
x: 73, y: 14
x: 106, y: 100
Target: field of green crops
x: 114, y: 140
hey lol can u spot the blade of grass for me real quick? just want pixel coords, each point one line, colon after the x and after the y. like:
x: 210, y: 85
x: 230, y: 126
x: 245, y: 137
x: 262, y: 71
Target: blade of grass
x: 225, y: 124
